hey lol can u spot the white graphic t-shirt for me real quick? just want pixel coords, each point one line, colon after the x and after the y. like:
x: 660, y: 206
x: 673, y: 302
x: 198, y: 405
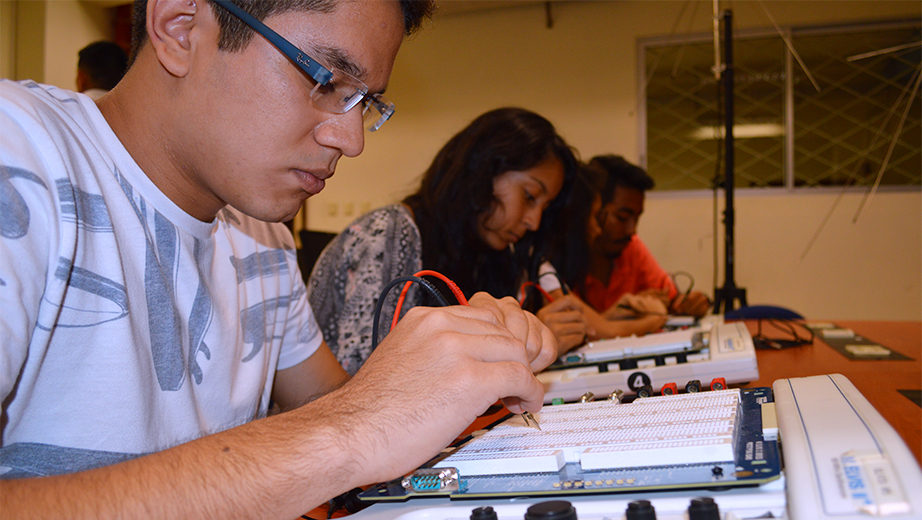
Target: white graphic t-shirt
x: 127, y: 326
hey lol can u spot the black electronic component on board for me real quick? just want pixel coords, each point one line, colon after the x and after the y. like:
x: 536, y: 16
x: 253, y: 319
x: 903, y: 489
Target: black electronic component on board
x: 551, y: 510
x: 645, y: 391
x: 693, y: 386
x: 627, y: 364
x: 483, y: 513
x: 703, y: 508
x: 640, y: 510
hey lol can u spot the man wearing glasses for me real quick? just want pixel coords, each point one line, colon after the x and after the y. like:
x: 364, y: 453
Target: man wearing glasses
x: 150, y: 312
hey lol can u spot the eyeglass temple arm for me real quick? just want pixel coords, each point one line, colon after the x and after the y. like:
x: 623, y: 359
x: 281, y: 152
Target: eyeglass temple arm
x: 315, y: 70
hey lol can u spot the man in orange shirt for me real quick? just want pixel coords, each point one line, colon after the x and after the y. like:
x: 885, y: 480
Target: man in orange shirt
x: 621, y: 266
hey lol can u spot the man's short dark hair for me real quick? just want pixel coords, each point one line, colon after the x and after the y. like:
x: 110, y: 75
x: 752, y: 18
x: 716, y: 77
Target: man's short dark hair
x: 619, y: 172
x: 104, y: 63
x: 235, y: 35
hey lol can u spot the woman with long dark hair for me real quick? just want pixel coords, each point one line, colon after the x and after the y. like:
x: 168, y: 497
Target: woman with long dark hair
x: 479, y: 218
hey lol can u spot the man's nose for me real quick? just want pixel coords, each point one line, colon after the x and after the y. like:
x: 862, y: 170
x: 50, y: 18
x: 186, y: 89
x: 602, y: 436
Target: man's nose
x: 344, y: 132
x: 630, y: 227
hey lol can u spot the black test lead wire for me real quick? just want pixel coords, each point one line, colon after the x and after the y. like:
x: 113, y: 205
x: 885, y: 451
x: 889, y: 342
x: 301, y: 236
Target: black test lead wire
x: 436, y: 295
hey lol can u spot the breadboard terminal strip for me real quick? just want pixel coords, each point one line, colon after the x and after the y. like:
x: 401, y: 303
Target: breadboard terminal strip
x: 666, y: 442
x: 684, y: 429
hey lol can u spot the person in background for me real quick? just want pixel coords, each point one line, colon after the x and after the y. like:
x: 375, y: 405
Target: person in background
x: 621, y: 266
x: 478, y: 217
x: 152, y: 303
x: 569, y: 261
x: 100, y: 66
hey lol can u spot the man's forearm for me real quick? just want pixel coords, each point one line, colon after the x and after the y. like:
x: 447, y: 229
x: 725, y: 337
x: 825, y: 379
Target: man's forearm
x: 279, y: 467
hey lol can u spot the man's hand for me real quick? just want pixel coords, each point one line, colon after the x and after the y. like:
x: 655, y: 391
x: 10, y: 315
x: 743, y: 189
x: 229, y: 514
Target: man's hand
x: 436, y: 371
x: 634, y: 314
x: 649, y: 323
x: 540, y: 342
x: 694, y: 304
x: 660, y: 294
x: 643, y: 304
x: 566, y: 319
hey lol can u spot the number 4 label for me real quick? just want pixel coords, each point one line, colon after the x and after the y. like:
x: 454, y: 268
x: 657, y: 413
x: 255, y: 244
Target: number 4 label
x: 637, y: 380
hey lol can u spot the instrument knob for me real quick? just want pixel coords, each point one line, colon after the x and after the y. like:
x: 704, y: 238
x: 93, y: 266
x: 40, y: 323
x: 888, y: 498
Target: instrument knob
x: 640, y: 510
x: 551, y: 510
x: 483, y: 513
x: 703, y: 508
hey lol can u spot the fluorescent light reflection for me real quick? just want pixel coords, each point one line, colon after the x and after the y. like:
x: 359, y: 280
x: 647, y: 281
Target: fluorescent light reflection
x: 742, y: 131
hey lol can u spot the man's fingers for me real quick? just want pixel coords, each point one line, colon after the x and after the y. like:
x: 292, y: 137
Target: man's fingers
x: 531, y: 343
x: 644, y: 303
x: 694, y: 304
x: 567, y: 302
x: 540, y: 344
x: 569, y: 328
x: 506, y: 310
x: 524, y: 392
x: 496, y: 349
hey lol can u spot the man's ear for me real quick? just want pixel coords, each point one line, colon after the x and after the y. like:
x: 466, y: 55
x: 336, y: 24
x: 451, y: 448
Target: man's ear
x: 170, y: 25
x: 82, y: 80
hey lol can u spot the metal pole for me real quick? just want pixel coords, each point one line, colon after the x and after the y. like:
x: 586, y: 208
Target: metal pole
x: 729, y: 293
x: 729, y: 213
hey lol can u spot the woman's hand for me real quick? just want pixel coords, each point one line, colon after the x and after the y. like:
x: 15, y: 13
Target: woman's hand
x: 566, y: 319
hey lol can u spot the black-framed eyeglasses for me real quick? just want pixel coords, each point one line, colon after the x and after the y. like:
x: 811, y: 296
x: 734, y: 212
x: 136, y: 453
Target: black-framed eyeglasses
x: 335, y: 91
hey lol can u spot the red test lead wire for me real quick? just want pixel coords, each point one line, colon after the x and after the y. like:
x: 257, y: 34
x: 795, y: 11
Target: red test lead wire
x: 537, y: 286
x: 425, y: 272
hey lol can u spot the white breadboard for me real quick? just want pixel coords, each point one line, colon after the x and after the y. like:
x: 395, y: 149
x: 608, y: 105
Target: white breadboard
x: 730, y: 354
x: 655, y: 431
x: 615, y: 349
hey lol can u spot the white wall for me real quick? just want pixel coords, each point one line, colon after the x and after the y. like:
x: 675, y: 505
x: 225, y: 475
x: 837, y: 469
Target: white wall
x: 869, y: 269
x: 85, y: 22
x: 7, y: 39
x: 41, y: 38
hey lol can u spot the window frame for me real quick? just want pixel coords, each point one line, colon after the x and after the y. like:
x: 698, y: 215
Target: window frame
x: 790, y: 67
